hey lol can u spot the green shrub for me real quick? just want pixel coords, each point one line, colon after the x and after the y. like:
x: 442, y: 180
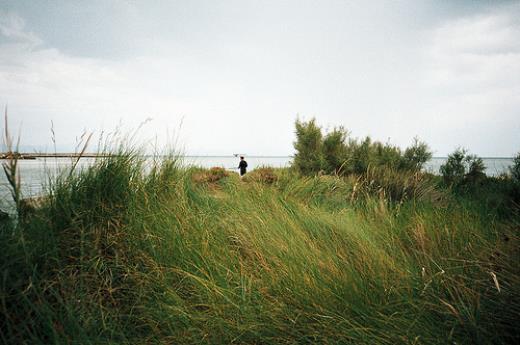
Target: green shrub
x: 334, y: 150
x: 416, y: 156
x: 462, y: 170
x: 308, y: 145
x: 361, y: 156
x: 335, y: 153
x: 454, y: 170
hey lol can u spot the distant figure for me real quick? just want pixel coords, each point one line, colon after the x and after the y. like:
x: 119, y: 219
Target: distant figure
x: 242, y: 166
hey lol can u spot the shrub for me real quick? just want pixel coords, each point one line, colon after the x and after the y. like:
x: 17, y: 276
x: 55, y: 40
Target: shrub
x: 416, y: 156
x: 212, y: 175
x: 309, y: 157
x: 360, y: 157
x: 462, y: 169
x: 453, y: 170
x: 334, y: 150
x: 476, y: 168
x: 333, y: 154
x: 264, y: 175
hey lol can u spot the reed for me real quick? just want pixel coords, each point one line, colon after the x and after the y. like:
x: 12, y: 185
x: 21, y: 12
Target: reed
x: 10, y: 164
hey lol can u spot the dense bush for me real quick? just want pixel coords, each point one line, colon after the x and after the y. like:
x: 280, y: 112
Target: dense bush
x: 337, y: 153
x: 309, y: 141
x: 334, y: 150
x: 416, y: 155
x: 462, y: 170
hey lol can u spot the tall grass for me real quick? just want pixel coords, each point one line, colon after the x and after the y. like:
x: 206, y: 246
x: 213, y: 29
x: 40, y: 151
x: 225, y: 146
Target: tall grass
x: 10, y: 165
x: 132, y: 251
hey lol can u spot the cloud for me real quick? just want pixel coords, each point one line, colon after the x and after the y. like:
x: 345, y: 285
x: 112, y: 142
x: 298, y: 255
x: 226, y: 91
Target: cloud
x: 472, y: 82
x: 478, y: 52
x: 41, y: 84
x: 12, y: 27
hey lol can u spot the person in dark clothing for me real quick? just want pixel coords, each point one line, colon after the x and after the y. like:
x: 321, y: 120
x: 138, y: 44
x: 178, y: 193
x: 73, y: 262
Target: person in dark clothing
x: 242, y: 166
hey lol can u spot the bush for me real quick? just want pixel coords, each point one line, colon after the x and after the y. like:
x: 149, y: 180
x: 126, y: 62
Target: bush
x: 360, y: 156
x: 462, y: 169
x: 264, y: 175
x: 416, y: 156
x: 309, y: 157
x: 334, y: 150
x: 335, y: 153
x: 454, y: 170
x: 212, y: 175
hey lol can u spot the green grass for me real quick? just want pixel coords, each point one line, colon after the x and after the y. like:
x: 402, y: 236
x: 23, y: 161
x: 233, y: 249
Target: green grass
x: 128, y: 253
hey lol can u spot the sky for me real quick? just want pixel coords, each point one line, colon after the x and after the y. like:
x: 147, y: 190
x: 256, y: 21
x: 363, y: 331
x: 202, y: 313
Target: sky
x: 224, y: 77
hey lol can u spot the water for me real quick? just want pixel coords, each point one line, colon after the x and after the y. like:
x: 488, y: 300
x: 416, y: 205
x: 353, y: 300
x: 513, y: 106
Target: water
x: 494, y: 166
x: 35, y: 173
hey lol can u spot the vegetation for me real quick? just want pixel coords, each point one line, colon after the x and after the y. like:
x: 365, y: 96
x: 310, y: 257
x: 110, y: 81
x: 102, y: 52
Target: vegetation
x: 138, y: 251
x: 515, y: 178
x: 336, y: 153
x: 515, y: 169
x: 462, y: 169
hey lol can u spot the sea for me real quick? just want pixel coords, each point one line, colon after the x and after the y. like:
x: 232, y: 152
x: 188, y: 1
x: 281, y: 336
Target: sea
x: 35, y: 174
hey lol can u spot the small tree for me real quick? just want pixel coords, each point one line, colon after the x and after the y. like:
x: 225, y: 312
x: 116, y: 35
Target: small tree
x: 416, y: 156
x: 334, y: 150
x: 332, y: 153
x: 308, y: 159
x: 386, y: 155
x: 476, y: 168
x: 462, y: 169
x: 453, y: 170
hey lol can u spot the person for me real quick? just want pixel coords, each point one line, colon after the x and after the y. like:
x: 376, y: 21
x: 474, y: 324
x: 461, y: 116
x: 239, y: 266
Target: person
x: 242, y: 166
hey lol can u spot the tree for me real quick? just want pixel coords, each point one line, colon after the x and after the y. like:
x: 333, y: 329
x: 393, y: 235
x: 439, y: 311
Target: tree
x: 462, y: 169
x: 334, y: 150
x: 308, y: 159
x: 416, y: 155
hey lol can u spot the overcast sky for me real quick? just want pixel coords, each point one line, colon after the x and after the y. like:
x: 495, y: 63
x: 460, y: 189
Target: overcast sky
x: 232, y: 76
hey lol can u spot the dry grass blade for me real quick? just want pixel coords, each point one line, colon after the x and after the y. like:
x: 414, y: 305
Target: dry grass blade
x: 495, y: 280
x: 84, y: 148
